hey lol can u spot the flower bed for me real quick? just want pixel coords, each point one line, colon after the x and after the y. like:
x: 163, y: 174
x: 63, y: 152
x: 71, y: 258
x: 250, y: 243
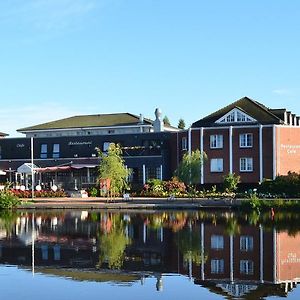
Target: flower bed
x: 38, y: 194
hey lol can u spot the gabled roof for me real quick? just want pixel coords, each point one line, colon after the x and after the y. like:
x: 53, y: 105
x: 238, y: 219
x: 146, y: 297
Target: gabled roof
x: 254, y: 109
x: 89, y: 121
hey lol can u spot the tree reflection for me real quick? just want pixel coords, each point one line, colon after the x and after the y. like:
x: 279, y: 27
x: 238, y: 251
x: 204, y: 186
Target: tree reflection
x: 112, y: 242
x: 189, y: 245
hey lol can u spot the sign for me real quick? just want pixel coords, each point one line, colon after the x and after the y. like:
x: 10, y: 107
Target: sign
x: 290, y: 149
x: 79, y: 143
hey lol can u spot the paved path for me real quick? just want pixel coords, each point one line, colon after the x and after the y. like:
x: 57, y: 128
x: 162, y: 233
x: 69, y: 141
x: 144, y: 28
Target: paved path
x: 119, y: 203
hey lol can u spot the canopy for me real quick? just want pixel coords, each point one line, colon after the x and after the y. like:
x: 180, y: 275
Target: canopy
x: 27, y: 168
x: 53, y: 169
x: 65, y: 168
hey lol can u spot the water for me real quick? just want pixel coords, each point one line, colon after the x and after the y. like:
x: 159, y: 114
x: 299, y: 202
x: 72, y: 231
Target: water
x: 149, y: 255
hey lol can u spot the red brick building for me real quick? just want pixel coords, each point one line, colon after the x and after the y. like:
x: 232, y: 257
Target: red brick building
x: 245, y: 138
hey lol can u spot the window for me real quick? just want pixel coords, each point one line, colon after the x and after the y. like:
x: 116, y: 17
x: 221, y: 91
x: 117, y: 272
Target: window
x: 216, y: 141
x: 235, y: 116
x: 246, y: 267
x: 153, y: 173
x: 246, y: 140
x: 217, y: 242
x: 106, y: 146
x: 44, y: 151
x: 246, y: 243
x: 184, y: 143
x: 0, y: 152
x: 216, y: 165
x: 246, y: 164
x: 56, y: 151
x: 217, y: 266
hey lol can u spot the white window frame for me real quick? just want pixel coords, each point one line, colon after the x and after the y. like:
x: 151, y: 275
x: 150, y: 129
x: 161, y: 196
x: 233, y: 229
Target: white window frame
x: 246, y: 267
x: 217, y: 266
x: 44, y: 151
x: 246, y: 243
x: 216, y: 141
x: 184, y: 143
x: 246, y: 140
x: 217, y: 242
x: 247, y: 166
x: 56, y: 150
x: 216, y: 165
x: 235, y: 116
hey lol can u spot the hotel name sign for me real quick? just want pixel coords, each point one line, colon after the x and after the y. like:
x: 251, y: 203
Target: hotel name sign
x: 290, y: 149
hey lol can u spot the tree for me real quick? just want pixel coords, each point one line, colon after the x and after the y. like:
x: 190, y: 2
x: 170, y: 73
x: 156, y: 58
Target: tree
x: 181, y: 124
x: 112, y: 167
x: 189, y: 169
x: 166, y: 121
x: 231, y: 182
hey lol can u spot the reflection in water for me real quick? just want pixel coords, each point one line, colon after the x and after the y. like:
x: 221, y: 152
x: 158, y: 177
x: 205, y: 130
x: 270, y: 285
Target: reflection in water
x: 230, y: 254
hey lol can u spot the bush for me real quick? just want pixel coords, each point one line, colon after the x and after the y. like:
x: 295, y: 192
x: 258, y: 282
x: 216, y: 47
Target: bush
x: 93, y: 192
x: 38, y: 194
x: 8, y: 200
x: 159, y: 188
x: 231, y: 182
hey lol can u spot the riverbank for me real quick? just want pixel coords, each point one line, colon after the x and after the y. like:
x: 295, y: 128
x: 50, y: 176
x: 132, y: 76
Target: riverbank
x: 134, y: 203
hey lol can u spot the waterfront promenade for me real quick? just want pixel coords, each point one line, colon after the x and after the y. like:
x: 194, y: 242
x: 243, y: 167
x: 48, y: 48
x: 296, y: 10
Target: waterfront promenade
x: 133, y: 203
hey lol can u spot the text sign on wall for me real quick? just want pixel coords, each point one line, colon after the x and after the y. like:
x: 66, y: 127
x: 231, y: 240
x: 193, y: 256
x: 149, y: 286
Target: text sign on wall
x: 290, y: 149
x: 79, y: 143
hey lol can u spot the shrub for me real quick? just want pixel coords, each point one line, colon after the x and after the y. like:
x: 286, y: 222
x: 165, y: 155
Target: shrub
x: 159, y: 188
x: 8, y: 200
x: 231, y: 182
x: 283, y: 186
x: 93, y: 192
x: 39, y: 194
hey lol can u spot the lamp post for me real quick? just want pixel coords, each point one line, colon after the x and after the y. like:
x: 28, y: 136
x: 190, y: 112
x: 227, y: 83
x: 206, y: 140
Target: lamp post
x: 32, y: 170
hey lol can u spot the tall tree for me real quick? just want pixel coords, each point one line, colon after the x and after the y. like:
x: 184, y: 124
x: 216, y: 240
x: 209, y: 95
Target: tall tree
x: 189, y: 169
x: 166, y: 121
x: 181, y: 124
x: 112, y: 167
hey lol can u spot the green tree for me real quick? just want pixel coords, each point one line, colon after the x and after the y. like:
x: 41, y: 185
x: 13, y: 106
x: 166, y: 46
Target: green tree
x: 166, y: 121
x: 189, y: 169
x: 112, y: 167
x: 231, y: 182
x: 181, y: 124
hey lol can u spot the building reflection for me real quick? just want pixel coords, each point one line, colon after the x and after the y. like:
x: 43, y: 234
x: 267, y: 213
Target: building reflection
x: 226, y: 253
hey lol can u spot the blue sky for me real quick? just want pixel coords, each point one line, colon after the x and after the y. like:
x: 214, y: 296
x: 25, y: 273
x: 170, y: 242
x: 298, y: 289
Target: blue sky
x: 66, y: 57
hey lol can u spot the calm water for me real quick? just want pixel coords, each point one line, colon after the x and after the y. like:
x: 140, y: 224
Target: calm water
x: 147, y: 255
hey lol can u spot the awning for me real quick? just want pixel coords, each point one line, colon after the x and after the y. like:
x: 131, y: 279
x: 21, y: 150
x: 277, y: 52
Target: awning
x: 53, y: 169
x: 81, y: 166
x: 65, y: 168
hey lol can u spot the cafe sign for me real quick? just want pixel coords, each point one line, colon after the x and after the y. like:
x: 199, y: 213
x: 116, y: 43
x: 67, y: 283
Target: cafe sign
x: 290, y: 149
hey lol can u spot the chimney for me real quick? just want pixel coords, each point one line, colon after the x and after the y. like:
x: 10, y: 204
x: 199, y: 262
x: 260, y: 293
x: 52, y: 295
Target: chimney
x: 158, y: 124
x: 141, y: 119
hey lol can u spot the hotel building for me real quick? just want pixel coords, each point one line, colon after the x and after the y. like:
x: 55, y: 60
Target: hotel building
x: 245, y: 138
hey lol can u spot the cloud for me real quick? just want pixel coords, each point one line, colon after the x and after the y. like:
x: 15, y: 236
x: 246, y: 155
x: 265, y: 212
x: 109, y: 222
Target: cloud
x: 45, y: 15
x: 13, y: 118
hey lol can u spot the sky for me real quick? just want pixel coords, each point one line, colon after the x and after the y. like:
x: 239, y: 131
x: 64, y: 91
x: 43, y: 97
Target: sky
x: 60, y: 58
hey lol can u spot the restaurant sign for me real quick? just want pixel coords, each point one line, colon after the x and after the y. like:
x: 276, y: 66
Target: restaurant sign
x: 79, y: 143
x: 290, y: 149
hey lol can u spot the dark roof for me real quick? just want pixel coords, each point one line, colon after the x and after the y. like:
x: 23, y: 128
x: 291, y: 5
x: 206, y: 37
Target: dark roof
x: 3, y: 134
x: 254, y: 109
x: 87, y: 121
